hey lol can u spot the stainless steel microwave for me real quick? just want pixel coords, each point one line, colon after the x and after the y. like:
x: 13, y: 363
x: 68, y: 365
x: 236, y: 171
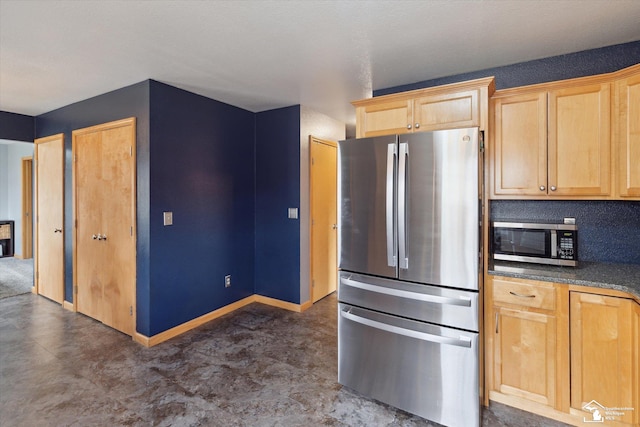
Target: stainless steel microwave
x: 538, y: 243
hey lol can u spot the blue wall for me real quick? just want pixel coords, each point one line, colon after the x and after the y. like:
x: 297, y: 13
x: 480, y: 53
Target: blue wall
x: 131, y: 101
x: 277, y: 241
x: 202, y: 169
x: 17, y: 127
x: 579, y: 64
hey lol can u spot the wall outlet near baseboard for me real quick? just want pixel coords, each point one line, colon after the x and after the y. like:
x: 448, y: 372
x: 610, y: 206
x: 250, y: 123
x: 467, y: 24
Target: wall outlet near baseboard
x: 227, y: 281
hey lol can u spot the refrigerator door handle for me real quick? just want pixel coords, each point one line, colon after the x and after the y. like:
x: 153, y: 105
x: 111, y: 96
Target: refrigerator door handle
x: 462, y: 341
x: 461, y: 300
x: 402, y: 199
x: 391, y: 247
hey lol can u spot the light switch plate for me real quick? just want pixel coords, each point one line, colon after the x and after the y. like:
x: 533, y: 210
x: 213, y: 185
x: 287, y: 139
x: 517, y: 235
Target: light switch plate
x: 293, y: 213
x: 168, y: 218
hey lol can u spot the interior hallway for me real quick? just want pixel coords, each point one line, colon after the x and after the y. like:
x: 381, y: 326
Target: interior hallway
x: 258, y: 366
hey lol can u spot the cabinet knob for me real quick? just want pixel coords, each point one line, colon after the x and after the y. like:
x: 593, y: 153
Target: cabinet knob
x: 542, y: 188
x: 408, y: 126
x: 417, y: 125
x: 553, y: 188
x: 94, y: 237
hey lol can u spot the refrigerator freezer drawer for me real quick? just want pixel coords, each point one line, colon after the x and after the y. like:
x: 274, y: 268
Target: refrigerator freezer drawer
x: 449, y: 307
x: 428, y: 370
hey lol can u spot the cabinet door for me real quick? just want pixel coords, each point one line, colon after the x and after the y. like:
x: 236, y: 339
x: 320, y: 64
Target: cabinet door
x: 386, y: 118
x: 628, y: 97
x: 604, y: 353
x: 520, y: 145
x: 579, y: 141
x: 525, y: 355
x: 448, y: 111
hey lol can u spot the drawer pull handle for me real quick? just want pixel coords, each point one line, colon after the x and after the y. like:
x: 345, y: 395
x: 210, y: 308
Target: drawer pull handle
x: 521, y: 296
x: 497, y: 314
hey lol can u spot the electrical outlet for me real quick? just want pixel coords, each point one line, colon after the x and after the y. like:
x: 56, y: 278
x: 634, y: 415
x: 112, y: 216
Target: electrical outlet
x: 227, y: 281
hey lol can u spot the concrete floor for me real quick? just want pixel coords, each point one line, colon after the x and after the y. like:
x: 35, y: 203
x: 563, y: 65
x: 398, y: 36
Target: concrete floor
x: 258, y: 366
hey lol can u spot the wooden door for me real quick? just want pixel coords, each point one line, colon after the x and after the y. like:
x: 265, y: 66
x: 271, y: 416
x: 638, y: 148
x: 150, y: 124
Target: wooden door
x: 628, y: 99
x: 604, y: 353
x: 104, y: 207
x: 27, y: 207
x: 579, y: 141
x: 447, y: 111
x: 385, y: 118
x: 118, y: 219
x: 49, y: 260
x: 324, y: 219
x: 525, y: 355
x: 520, y: 145
x: 88, y: 211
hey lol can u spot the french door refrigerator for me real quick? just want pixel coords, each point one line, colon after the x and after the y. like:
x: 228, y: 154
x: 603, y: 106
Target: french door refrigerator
x: 410, y: 251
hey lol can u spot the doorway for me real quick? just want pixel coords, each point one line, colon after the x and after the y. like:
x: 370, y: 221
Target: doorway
x: 324, y: 217
x: 49, y: 242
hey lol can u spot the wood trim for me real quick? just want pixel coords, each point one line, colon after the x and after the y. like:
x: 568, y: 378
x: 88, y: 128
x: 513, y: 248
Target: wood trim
x: 198, y: 321
x: 306, y: 305
x: 489, y: 82
x: 280, y: 304
x: 536, y: 408
x: 27, y: 206
x: 105, y: 126
x: 68, y: 305
x: 191, y: 324
x: 563, y: 369
x: 568, y: 83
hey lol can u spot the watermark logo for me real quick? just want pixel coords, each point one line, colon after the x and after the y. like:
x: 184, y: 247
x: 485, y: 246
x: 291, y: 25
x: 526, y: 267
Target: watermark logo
x: 598, y: 413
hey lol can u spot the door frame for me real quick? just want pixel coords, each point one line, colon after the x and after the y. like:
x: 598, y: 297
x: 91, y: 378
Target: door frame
x: 131, y: 121
x: 312, y: 140
x: 27, y: 207
x: 35, y: 214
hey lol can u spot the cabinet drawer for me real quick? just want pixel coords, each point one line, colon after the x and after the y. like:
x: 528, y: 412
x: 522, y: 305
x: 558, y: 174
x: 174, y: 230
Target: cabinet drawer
x: 537, y: 295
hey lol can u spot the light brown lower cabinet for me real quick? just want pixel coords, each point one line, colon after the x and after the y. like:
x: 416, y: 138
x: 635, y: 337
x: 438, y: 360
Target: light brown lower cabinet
x: 562, y: 354
x: 605, y: 357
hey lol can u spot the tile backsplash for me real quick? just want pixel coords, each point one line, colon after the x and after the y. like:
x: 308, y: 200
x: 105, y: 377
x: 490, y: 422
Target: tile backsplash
x: 608, y: 231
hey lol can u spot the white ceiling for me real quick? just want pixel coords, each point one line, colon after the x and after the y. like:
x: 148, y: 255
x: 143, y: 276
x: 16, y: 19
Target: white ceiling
x: 260, y: 55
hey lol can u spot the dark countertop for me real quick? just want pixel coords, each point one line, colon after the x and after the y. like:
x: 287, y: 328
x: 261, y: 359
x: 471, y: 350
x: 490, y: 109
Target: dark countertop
x: 621, y: 277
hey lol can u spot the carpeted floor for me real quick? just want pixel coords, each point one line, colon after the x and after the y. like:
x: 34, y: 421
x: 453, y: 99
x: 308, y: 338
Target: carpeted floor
x: 16, y: 276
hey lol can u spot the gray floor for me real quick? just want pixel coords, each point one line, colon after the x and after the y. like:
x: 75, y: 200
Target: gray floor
x: 258, y: 366
x: 16, y: 276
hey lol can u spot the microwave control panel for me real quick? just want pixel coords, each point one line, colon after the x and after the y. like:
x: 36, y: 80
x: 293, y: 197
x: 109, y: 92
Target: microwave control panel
x: 568, y: 242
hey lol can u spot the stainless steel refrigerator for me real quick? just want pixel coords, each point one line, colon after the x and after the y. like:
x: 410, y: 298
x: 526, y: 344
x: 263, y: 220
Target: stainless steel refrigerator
x: 410, y: 254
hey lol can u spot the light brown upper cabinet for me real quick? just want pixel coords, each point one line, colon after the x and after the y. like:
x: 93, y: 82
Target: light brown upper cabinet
x: 571, y: 139
x: 520, y: 144
x: 554, y: 143
x: 579, y: 144
x: 443, y: 107
x: 627, y: 119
